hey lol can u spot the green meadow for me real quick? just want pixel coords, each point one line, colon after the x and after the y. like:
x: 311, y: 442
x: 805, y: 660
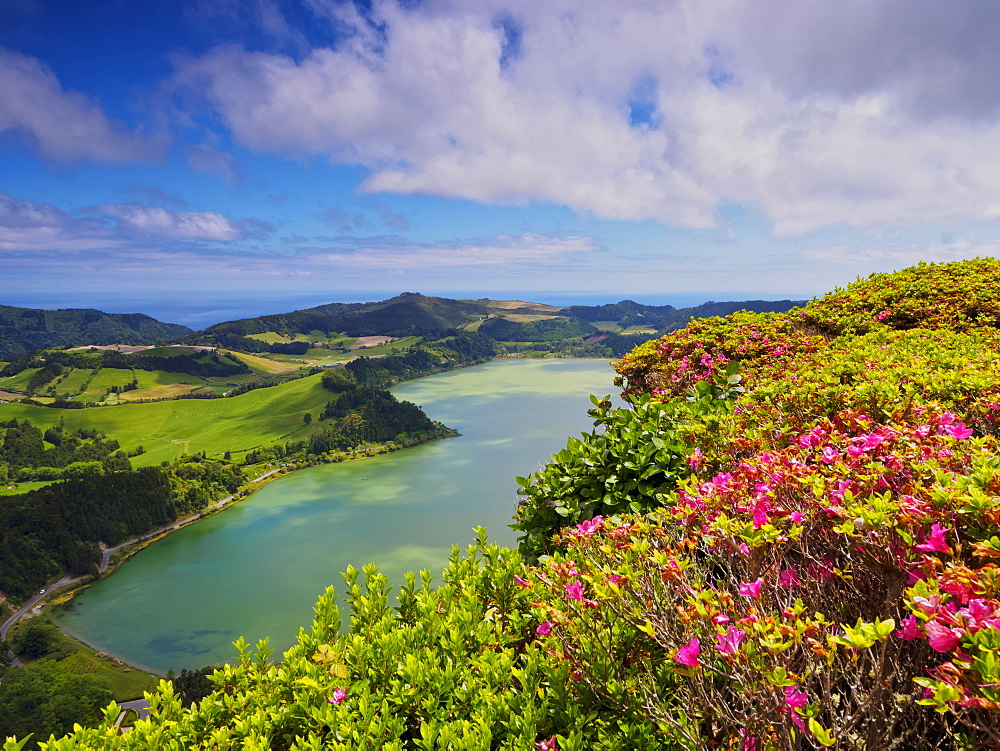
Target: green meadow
x: 168, y: 429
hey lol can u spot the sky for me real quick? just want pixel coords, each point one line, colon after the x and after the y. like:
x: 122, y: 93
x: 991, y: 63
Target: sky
x: 339, y: 150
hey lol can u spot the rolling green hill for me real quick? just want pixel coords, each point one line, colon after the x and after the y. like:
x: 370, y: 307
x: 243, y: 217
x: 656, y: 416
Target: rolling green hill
x: 169, y: 429
x: 25, y: 329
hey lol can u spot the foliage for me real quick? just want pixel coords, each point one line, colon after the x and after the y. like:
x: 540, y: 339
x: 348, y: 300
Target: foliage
x: 46, y: 699
x: 23, y: 330
x: 760, y: 342
x: 629, y: 466
x: 453, y: 666
x: 961, y: 296
x: 546, y: 330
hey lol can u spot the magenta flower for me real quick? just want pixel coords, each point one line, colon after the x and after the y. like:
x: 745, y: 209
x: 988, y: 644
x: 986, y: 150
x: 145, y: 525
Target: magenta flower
x: 521, y: 581
x: 338, y: 696
x: 743, y: 548
x: 588, y: 528
x: 946, y: 419
x: 688, y: 654
x: 550, y: 745
x: 789, y: 579
x: 544, y: 628
x: 794, y: 698
x: 574, y: 590
x: 935, y: 542
x: 796, y: 517
x: 910, y: 630
x: 829, y: 455
x: 751, y: 589
x: 614, y: 579
x: 729, y: 643
x: 959, y: 430
x: 941, y: 638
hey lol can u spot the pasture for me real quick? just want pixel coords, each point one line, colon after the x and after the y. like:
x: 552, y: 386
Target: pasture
x: 166, y: 430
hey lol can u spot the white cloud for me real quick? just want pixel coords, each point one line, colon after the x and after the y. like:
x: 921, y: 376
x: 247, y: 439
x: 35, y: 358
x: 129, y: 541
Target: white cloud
x: 33, y: 226
x: 61, y: 124
x: 154, y: 220
x: 502, y: 250
x: 818, y: 112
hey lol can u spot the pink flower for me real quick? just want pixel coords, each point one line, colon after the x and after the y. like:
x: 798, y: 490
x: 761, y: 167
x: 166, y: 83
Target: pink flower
x: 588, y: 528
x: 743, y: 548
x: 959, y: 430
x: 544, y: 628
x: 614, y: 579
x: 729, y: 642
x: 935, y: 542
x: 338, y: 696
x: 946, y: 419
x: 796, y: 517
x: 910, y: 630
x: 720, y: 618
x: 688, y: 654
x: 550, y: 745
x: 941, y: 638
x: 521, y: 581
x: 751, y: 589
x: 789, y: 579
x: 794, y: 698
x: 574, y: 590
x: 829, y: 455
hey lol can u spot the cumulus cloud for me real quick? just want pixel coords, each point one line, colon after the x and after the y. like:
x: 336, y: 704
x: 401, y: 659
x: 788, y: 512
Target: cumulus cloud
x: 155, y: 220
x: 506, y: 250
x: 61, y: 124
x: 818, y: 112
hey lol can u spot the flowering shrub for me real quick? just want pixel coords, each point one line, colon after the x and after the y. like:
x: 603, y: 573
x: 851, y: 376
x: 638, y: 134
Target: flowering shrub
x: 961, y: 296
x: 668, y: 367
x: 814, y: 595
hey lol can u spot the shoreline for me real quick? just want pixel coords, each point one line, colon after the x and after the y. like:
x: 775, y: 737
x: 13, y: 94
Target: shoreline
x: 132, y: 547
x: 129, y: 548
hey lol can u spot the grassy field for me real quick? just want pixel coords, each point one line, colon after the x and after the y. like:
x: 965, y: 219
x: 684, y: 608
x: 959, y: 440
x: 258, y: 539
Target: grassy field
x: 606, y: 325
x: 527, y: 317
x: 269, y: 337
x: 389, y: 347
x: 19, y: 381
x: 73, y: 381
x: 264, y: 364
x: 639, y: 330
x: 172, y: 428
x: 24, y: 487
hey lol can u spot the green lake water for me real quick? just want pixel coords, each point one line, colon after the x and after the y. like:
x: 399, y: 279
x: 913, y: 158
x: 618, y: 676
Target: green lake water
x: 256, y: 569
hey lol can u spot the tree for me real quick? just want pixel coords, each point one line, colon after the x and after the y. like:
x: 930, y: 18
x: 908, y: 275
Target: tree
x: 36, y: 638
x: 351, y: 426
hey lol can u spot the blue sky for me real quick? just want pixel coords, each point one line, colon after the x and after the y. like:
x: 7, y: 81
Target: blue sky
x: 720, y: 149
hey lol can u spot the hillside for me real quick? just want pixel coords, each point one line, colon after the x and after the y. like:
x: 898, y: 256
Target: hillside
x: 787, y: 540
x: 23, y: 330
x: 542, y: 328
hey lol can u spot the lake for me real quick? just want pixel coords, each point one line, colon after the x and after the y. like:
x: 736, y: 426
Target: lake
x: 256, y: 569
